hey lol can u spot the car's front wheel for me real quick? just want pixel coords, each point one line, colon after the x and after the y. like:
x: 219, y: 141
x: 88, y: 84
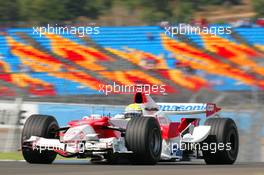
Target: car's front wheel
x: 143, y: 138
x: 42, y: 126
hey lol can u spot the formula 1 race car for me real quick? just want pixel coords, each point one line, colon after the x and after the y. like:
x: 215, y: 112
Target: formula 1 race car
x: 144, y: 134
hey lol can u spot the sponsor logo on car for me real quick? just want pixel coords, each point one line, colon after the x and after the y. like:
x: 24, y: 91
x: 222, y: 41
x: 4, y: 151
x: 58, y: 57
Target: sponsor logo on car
x: 182, y: 107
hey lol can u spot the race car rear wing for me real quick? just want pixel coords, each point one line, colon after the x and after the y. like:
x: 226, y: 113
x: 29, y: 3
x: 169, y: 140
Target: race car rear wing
x: 189, y: 108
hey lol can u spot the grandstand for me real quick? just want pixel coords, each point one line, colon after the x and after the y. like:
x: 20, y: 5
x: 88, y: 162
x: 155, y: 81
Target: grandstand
x: 63, y: 65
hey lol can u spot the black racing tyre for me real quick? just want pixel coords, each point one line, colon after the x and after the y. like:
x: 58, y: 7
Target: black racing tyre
x: 223, y: 131
x: 143, y: 138
x: 42, y: 126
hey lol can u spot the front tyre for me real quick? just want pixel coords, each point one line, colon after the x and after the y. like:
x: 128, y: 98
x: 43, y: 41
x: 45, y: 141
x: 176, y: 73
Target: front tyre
x: 224, y: 131
x: 143, y: 138
x: 42, y: 126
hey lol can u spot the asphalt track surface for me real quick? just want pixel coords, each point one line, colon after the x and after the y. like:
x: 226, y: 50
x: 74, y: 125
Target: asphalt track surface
x: 85, y: 167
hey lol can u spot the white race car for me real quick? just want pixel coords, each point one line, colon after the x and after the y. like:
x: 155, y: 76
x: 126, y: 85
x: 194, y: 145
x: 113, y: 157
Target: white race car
x: 143, y: 134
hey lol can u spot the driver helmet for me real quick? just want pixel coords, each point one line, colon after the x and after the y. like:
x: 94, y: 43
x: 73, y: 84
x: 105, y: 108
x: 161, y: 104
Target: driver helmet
x: 133, y: 110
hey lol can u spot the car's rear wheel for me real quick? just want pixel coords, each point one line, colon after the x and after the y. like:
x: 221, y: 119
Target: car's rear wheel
x: 42, y: 126
x: 143, y: 138
x: 223, y: 131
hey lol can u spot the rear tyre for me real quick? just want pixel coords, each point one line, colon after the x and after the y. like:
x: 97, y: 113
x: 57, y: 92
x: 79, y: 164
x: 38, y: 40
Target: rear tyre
x: 143, y: 138
x: 42, y: 126
x: 223, y: 131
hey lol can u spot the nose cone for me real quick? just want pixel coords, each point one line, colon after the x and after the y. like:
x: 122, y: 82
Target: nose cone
x: 78, y: 133
x: 72, y: 134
